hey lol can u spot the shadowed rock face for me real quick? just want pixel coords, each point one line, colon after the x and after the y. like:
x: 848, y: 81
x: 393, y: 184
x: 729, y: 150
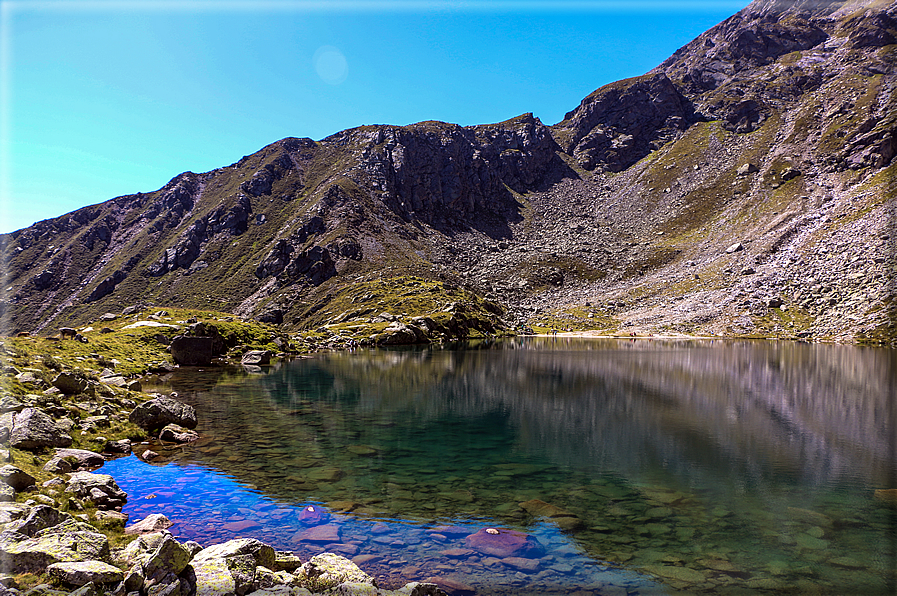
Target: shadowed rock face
x: 532, y: 216
x: 622, y: 122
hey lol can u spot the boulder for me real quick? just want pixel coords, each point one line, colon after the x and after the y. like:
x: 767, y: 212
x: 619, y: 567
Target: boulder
x: 747, y: 168
x: 503, y: 543
x: 70, y: 383
x: 327, y: 570
x: 156, y: 413
x: 230, y: 568
x: 101, y: 489
x: 16, y: 478
x: 188, y: 350
x: 57, y: 465
x: 7, y: 493
x: 36, y: 554
x: 39, y: 518
x: 737, y: 247
x: 177, y: 434
x: 83, y: 458
x: 151, y: 523
x: 120, y: 446
x: 32, y: 429
x: 169, y: 557
x: 261, y: 553
x: 78, y: 573
x: 256, y: 357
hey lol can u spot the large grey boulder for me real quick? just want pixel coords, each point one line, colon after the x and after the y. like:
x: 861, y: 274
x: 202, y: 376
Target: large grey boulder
x: 168, y: 558
x: 36, y: 554
x: 32, y: 428
x: 16, y: 478
x: 83, y: 458
x: 101, y: 489
x: 230, y: 568
x: 70, y: 383
x: 328, y: 570
x: 189, y: 350
x: 78, y: 573
x: 158, y: 412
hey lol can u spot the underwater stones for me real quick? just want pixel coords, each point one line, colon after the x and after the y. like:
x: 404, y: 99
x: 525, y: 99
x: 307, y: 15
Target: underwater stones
x: 810, y: 517
x: 328, y: 570
x: 503, y: 543
x: 32, y: 428
x: 363, y: 450
x: 521, y: 564
x: 177, y: 434
x: 78, y: 573
x: 451, y: 585
x: 324, y: 474
x: 677, y: 574
x: 239, y: 526
x: 326, y: 534
x: 810, y: 542
x: 846, y: 563
x: 313, y: 515
x: 158, y: 412
x: 563, y: 518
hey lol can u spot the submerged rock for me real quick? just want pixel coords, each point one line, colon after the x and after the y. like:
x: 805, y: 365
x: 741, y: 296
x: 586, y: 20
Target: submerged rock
x: 503, y: 543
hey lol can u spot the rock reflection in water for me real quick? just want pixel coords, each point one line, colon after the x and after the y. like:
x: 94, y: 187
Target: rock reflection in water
x: 707, y: 464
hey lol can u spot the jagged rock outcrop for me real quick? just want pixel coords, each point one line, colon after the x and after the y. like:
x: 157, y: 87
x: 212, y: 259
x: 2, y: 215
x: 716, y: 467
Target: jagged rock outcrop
x: 622, y: 122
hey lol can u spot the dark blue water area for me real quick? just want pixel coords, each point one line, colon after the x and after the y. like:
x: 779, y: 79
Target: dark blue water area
x: 209, y: 507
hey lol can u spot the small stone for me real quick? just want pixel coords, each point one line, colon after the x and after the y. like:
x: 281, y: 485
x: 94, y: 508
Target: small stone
x: 178, y: 434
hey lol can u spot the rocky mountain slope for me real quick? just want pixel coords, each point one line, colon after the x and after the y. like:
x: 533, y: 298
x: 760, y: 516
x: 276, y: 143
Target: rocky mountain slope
x: 743, y: 187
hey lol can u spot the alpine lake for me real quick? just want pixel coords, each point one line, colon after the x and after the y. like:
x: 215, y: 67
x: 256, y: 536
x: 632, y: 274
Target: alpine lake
x: 631, y: 466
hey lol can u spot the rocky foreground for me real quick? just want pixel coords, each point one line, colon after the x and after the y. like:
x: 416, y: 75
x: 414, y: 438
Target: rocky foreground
x: 63, y: 531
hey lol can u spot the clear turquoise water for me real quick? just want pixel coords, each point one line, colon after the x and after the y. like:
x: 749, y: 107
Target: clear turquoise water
x: 702, y: 467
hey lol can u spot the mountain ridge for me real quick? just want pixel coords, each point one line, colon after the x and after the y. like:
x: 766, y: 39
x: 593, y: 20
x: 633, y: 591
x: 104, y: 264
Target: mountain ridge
x: 774, y: 130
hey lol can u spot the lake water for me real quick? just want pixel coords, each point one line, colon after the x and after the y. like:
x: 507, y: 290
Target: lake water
x: 640, y: 467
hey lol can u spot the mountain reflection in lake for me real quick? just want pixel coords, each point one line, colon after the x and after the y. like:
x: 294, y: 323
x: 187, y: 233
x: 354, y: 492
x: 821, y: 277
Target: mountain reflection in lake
x: 641, y: 467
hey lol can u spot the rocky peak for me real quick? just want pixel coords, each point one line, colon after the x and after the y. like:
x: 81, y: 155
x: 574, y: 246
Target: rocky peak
x: 622, y: 122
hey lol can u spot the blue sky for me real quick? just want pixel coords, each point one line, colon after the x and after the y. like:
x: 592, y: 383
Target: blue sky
x: 105, y: 98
